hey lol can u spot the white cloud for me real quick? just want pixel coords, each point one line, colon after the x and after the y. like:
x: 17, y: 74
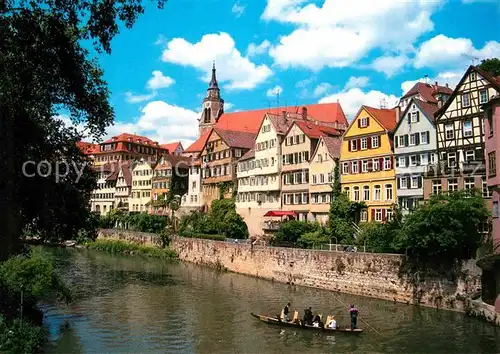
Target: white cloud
x: 357, y: 82
x: 390, y: 65
x: 257, y: 49
x: 340, y: 33
x: 133, y: 98
x: 442, y: 51
x: 322, y: 89
x: 480, y: 1
x: 272, y: 92
x: 66, y: 120
x: 159, y: 81
x: 236, y: 71
x: 352, y: 99
x: 162, y: 122
x: 228, y: 106
x: 238, y: 9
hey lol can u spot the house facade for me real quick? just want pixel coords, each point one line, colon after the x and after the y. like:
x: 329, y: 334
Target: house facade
x: 140, y: 194
x: 102, y: 200
x: 174, y: 148
x: 321, y: 174
x: 193, y: 199
x: 367, y: 162
x: 123, y: 186
x: 415, y: 148
x: 460, y: 137
x: 219, y: 156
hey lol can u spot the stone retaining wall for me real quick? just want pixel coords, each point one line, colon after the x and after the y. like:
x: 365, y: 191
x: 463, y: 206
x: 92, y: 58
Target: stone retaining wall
x: 366, y: 274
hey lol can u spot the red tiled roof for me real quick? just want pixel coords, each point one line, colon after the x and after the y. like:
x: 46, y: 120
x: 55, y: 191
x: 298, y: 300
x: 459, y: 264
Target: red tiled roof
x: 124, y: 137
x: 250, y: 121
x: 316, y: 131
x: 126, y: 169
x: 333, y: 145
x: 250, y: 154
x: 428, y: 108
x: 237, y: 139
x: 427, y: 91
x: 171, y: 147
x: 385, y: 116
x: 87, y: 148
x: 174, y: 160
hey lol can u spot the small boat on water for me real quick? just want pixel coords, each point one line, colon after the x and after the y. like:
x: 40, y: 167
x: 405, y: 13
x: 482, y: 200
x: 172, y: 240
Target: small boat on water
x: 277, y: 321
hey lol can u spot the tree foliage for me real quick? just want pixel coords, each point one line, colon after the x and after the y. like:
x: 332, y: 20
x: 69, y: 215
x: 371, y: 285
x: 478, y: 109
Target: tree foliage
x: 291, y: 231
x: 444, y: 230
x: 491, y: 66
x: 342, y: 217
x: 46, y: 71
x: 142, y: 222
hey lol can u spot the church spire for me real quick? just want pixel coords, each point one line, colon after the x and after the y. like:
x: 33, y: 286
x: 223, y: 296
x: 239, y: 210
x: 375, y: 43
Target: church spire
x: 213, y: 82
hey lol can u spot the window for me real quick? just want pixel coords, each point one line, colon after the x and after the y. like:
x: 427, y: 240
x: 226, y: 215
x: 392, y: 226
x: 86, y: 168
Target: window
x: 403, y: 203
x: 354, y: 166
x: 388, y: 214
x: 491, y: 122
x: 469, y: 183
x: 452, y: 159
x: 356, y: 193
x: 452, y: 185
x: 401, y: 140
x: 364, y: 215
x: 345, y: 168
x: 375, y: 165
x: 378, y: 214
x: 347, y: 192
x: 364, y: 166
x: 413, y: 160
x: 432, y: 158
x: 424, y: 159
x: 403, y: 182
x: 314, y: 180
x: 449, y: 133
x: 366, y: 193
x: 354, y: 145
x: 466, y: 100
x: 387, y: 163
x: 364, y: 143
x: 495, y: 209
x: 472, y: 76
x: 363, y: 122
x: 484, y: 186
x: 388, y: 192
x: 414, y: 182
x: 492, y: 164
x: 483, y: 96
x: 402, y: 161
x: 467, y: 128
x: 412, y: 139
x: 423, y: 138
x: 377, y: 192
x: 414, y: 117
x: 375, y: 142
x: 436, y: 186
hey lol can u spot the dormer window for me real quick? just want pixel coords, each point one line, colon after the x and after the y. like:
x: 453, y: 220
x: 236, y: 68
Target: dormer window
x: 472, y: 76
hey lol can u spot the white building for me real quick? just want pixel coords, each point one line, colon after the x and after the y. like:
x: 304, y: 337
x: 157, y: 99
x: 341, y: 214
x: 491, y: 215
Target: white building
x: 140, y: 195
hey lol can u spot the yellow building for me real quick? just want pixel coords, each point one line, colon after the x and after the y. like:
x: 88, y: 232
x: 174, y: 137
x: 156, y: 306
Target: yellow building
x: 367, y: 162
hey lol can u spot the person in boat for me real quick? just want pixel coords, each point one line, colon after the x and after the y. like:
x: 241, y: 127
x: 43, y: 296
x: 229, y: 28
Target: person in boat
x: 332, y: 324
x: 317, y: 321
x: 308, y: 316
x: 353, y: 311
x: 286, y: 311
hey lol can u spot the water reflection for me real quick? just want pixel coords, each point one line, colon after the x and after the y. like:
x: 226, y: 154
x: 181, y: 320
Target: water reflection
x: 130, y: 304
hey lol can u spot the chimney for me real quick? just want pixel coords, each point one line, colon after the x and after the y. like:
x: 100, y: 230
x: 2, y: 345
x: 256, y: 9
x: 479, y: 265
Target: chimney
x: 436, y: 83
x: 446, y: 84
x: 283, y: 114
x: 398, y: 113
x: 304, y: 113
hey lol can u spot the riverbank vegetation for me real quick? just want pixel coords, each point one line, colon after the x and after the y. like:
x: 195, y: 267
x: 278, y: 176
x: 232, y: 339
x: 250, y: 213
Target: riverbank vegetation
x: 142, y: 222
x: 124, y: 247
x: 221, y: 222
x: 448, y: 228
x: 46, y: 179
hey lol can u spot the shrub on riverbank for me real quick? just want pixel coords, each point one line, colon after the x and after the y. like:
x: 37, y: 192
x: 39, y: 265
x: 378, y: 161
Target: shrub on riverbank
x: 19, y: 337
x: 117, y: 246
x: 142, y: 222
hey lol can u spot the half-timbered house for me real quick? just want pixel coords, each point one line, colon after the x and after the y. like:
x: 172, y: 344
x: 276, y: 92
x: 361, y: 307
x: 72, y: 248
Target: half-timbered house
x: 460, y: 136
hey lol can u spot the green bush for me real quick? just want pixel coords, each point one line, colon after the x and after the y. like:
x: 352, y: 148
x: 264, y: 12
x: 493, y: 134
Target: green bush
x: 291, y: 231
x: 208, y: 237
x: 142, y: 222
x: 21, y: 337
x: 313, y: 239
x: 377, y: 237
x: 118, y: 246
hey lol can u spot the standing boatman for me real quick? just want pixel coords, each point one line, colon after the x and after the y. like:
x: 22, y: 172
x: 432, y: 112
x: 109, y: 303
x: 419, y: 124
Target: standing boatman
x: 286, y: 310
x: 353, y: 311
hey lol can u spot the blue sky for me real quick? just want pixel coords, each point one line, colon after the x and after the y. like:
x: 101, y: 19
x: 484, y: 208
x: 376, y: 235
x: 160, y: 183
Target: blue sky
x: 359, y: 52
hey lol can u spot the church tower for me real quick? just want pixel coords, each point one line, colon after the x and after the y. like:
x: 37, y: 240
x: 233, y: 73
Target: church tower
x: 213, y: 105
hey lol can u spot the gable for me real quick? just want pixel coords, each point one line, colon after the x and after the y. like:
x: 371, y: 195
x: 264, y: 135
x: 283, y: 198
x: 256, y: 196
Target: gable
x: 356, y: 129
x: 321, y: 148
x: 266, y: 130
x: 424, y: 122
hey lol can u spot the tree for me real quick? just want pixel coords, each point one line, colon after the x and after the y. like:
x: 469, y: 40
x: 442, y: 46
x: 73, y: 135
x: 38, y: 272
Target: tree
x: 491, y: 66
x: 341, y: 218
x: 336, y: 186
x: 44, y: 71
x: 445, y: 230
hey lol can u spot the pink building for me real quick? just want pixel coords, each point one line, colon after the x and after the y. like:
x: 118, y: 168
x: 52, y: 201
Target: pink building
x: 492, y: 151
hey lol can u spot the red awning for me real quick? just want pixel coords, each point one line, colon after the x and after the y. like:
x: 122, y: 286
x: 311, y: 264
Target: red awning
x: 280, y: 213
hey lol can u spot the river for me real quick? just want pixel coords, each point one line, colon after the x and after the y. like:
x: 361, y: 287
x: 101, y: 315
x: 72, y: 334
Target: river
x: 131, y: 304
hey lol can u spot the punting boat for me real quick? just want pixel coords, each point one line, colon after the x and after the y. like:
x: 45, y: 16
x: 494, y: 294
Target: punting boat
x: 277, y: 321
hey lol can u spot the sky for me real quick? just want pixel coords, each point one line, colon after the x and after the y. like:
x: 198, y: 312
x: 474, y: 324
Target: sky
x: 356, y: 51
